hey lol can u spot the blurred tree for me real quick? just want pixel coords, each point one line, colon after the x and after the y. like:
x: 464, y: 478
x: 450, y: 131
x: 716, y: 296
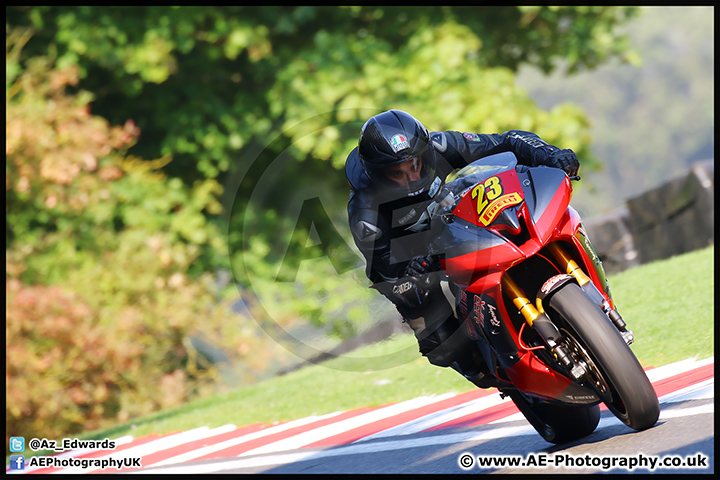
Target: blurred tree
x: 100, y: 304
x: 223, y: 89
x: 205, y: 83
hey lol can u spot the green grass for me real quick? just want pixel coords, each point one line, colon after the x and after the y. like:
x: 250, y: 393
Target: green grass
x: 668, y: 304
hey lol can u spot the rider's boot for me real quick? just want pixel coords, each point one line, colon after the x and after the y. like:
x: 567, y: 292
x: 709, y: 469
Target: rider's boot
x: 471, y: 365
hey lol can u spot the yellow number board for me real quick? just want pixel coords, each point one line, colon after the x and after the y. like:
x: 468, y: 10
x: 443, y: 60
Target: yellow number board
x: 491, y: 201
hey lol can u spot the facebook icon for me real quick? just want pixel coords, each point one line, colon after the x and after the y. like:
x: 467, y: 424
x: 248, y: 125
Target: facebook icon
x: 17, y: 462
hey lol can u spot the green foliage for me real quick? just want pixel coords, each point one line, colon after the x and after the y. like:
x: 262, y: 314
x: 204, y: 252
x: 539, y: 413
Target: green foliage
x: 62, y: 376
x: 101, y: 301
x: 213, y: 94
x: 207, y: 81
x: 582, y: 36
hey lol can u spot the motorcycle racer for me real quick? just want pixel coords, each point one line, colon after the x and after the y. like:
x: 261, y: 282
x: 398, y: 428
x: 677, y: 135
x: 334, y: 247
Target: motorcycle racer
x: 397, y: 169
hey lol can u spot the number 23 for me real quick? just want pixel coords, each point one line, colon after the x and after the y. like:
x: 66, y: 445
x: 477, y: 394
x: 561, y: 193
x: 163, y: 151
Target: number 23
x: 486, y: 192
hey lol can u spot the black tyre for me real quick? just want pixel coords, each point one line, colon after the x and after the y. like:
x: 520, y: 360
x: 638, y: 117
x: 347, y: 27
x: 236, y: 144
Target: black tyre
x: 557, y: 423
x: 613, y: 371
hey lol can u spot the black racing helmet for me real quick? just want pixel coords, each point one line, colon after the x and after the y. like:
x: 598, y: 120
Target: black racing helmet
x: 391, y: 138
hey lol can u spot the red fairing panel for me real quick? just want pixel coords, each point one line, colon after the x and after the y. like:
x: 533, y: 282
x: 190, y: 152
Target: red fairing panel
x: 551, y: 221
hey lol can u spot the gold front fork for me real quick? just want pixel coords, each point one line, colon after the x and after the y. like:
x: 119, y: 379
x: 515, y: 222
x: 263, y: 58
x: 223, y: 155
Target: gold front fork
x: 520, y: 301
x: 538, y: 320
x: 571, y: 267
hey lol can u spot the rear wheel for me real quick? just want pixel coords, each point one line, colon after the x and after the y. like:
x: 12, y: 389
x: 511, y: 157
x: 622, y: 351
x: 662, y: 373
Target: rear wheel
x: 557, y: 423
x: 611, y: 368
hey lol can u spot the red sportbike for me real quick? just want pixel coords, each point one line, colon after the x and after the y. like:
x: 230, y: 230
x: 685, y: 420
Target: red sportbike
x: 534, y: 296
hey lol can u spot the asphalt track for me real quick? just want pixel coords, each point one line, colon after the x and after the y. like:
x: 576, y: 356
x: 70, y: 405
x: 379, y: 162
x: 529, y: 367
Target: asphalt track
x: 472, y: 432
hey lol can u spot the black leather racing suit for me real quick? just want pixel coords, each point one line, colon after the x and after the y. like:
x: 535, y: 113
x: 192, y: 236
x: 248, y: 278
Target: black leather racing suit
x: 379, y: 226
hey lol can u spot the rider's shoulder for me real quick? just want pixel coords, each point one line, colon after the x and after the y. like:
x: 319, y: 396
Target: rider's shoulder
x: 355, y: 172
x: 450, y: 140
x: 439, y: 141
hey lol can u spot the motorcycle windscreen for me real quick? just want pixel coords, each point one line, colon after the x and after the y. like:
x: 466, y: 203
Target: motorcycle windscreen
x: 547, y: 193
x: 466, y: 241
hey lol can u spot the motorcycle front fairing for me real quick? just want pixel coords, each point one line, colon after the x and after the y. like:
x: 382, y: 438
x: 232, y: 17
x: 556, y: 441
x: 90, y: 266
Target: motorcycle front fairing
x: 506, y: 214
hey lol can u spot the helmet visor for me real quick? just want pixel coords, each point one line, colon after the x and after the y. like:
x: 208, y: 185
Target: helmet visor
x: 410, y: 177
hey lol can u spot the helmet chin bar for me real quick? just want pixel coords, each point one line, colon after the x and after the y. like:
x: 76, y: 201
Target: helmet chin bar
x: 420, y: 188
x: 389, y: 187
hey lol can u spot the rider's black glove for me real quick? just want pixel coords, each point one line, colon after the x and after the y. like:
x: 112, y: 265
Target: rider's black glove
x: 564, y: 159
x: 409, y: 297
x: 411, y: 291
x: 421, y: 265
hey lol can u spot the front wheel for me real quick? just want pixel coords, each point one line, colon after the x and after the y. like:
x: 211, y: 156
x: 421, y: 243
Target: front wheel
x: 611, y: 368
